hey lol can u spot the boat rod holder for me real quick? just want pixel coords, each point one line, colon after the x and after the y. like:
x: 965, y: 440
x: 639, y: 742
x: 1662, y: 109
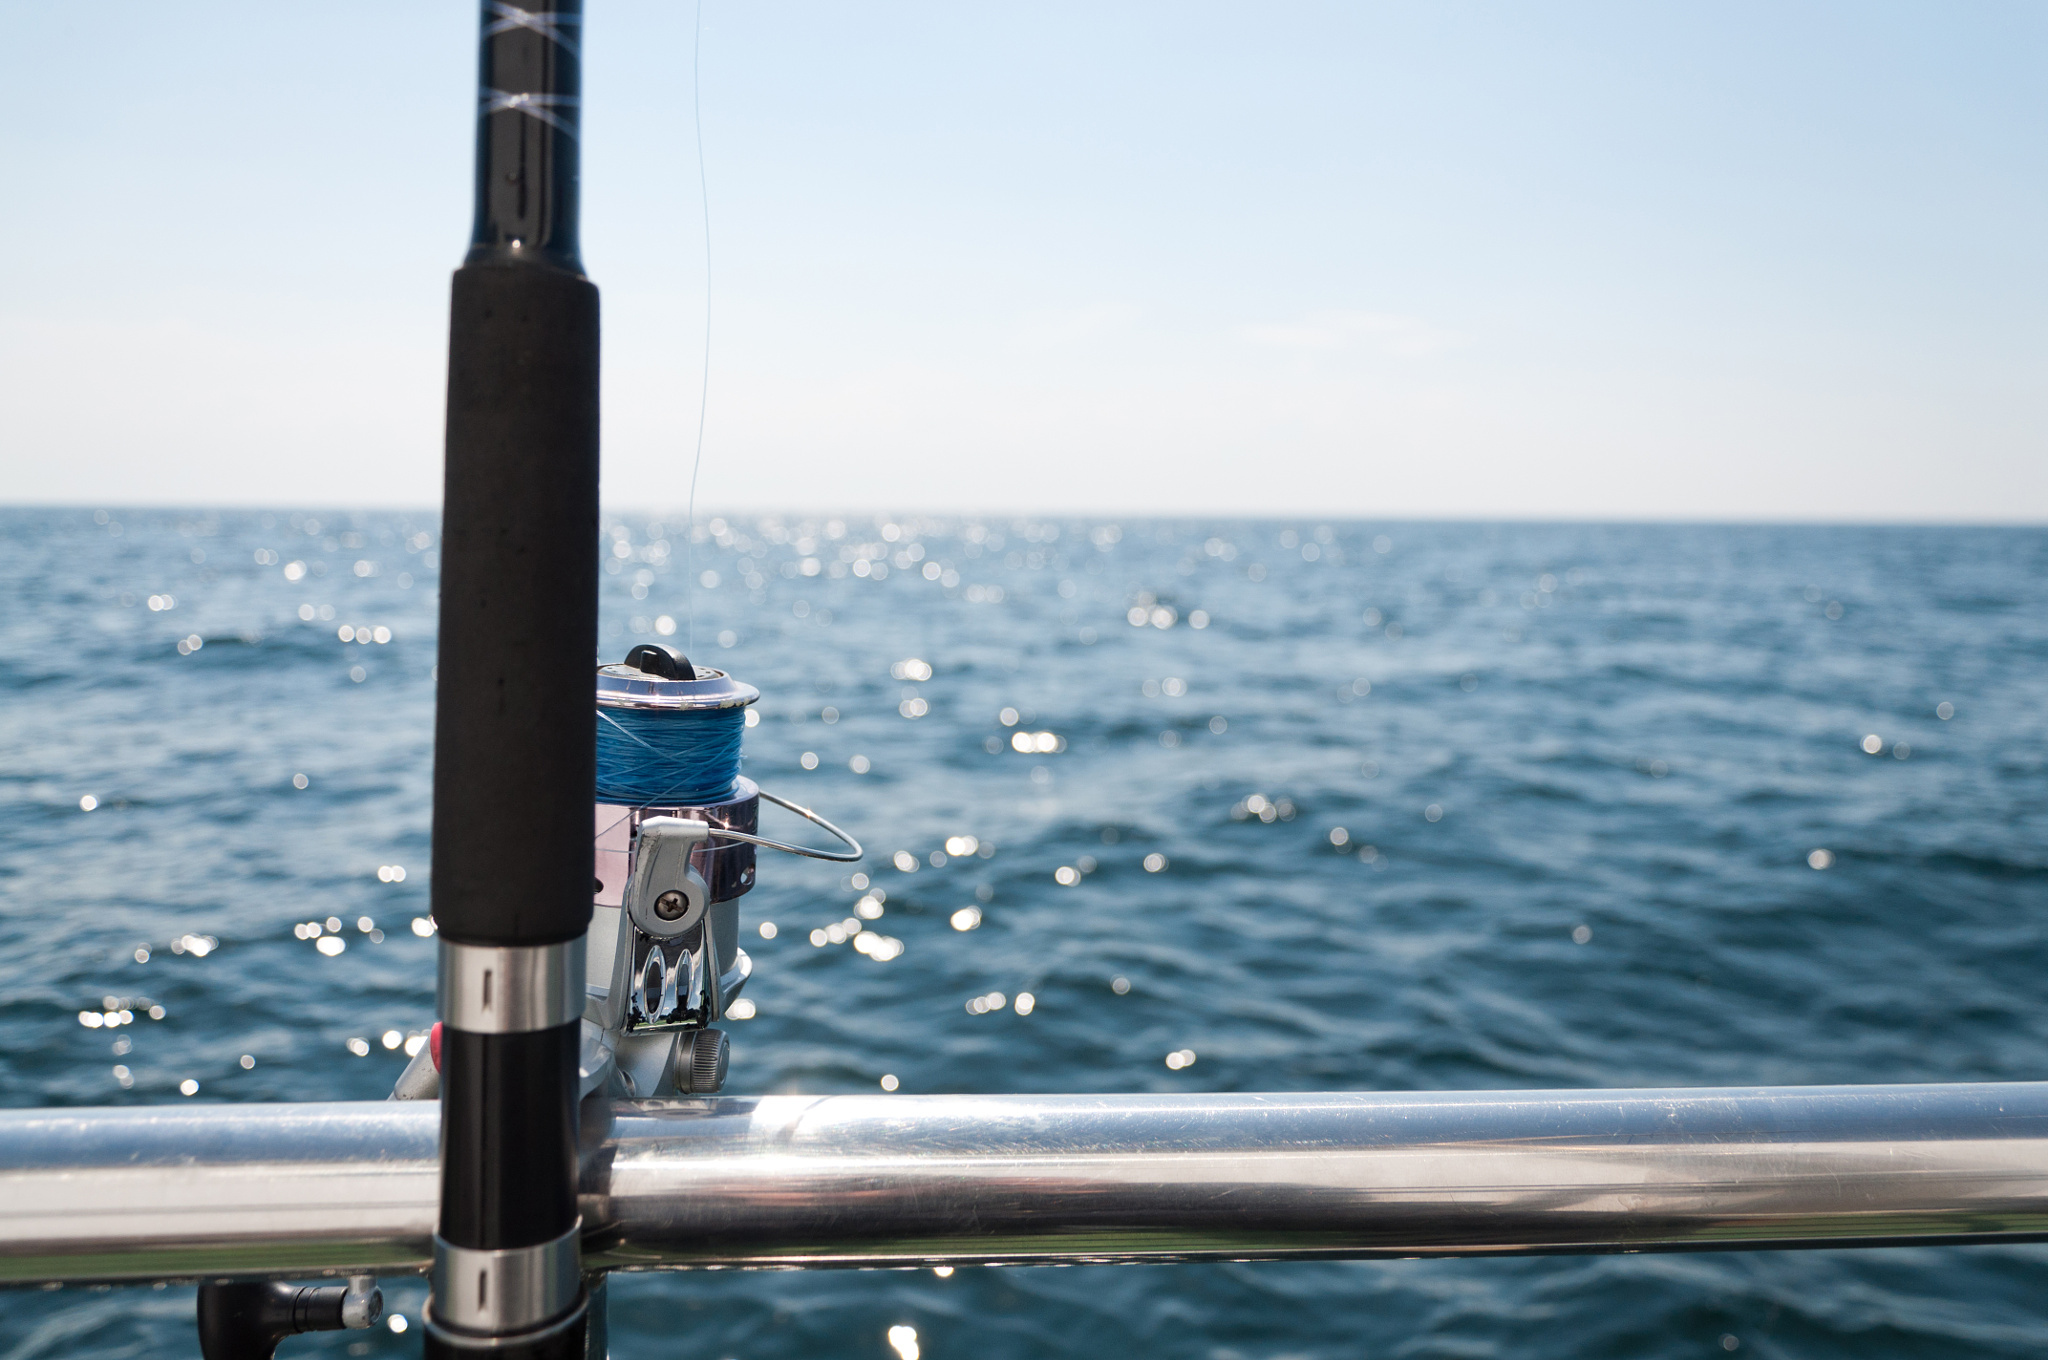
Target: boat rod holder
x: 244, y: 1320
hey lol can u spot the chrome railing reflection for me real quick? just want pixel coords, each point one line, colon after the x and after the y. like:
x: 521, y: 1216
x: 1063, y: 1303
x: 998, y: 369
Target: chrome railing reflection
x: 156, y: 1192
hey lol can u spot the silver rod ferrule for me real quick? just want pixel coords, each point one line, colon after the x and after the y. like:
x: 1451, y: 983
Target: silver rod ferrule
x: 500, y: 1293
x: 489, y: 989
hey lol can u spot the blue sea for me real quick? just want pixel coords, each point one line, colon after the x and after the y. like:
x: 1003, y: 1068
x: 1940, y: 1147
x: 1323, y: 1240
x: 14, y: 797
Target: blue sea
x: 1301, y: 805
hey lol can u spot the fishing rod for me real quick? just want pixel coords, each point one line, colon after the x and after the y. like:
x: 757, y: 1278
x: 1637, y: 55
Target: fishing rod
x: 535, y: 1013
x: 513, y: 756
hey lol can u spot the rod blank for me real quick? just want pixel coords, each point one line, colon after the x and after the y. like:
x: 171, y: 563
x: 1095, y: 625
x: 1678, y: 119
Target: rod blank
x: 134, y: 1194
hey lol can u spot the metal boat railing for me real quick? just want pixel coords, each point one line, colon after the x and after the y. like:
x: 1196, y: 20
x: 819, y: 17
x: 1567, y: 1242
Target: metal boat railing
x: 171, y: 1192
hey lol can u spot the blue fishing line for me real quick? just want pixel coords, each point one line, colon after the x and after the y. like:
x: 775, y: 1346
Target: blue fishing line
x: 668, y: 757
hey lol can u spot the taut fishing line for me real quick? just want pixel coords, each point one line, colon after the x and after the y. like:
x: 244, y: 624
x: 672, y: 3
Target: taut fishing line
x: 677, y: 827
x: 668, y: 733
x: 704, y: 385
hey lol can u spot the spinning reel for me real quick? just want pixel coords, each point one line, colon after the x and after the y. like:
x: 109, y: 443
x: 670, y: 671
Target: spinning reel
x: 663, y: 956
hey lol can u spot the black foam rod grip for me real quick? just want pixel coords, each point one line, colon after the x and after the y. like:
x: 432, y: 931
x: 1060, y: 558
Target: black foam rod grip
x: 514, y: 746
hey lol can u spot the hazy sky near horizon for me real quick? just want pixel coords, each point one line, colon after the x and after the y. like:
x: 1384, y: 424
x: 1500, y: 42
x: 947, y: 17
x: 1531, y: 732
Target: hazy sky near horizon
x: 1730, y: 261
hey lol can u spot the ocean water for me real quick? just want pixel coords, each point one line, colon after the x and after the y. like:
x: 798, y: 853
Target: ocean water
x: 1581, y: 776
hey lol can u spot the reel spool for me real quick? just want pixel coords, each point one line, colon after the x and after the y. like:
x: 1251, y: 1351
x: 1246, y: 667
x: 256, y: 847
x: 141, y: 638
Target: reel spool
x: 677, y: 828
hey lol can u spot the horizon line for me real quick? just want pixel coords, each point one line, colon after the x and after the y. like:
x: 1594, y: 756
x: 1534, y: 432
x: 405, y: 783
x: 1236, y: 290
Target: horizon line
x: 1617, y: 519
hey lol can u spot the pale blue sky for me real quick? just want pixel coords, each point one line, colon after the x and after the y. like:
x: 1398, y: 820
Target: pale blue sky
x: 1725, y: 261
